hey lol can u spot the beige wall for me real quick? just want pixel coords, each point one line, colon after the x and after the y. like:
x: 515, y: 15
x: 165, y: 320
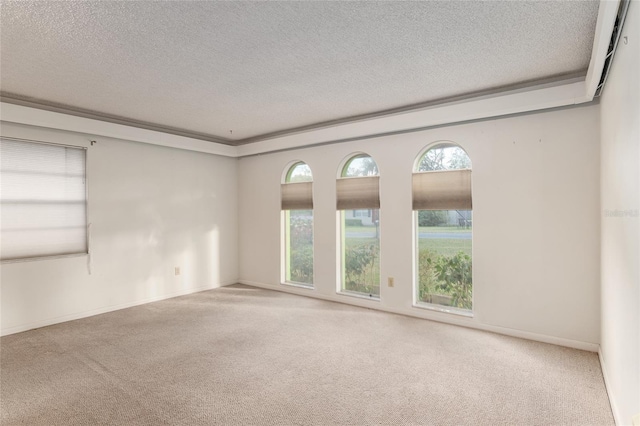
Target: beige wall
x: 536, y: 226
x: 151, y: 209
x: 620, y: 191
x: 536, y: 222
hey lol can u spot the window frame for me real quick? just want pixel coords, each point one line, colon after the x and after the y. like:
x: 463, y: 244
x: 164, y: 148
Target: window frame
x: 285, y: 231
x: 341, y: 231
x: 416, y: 303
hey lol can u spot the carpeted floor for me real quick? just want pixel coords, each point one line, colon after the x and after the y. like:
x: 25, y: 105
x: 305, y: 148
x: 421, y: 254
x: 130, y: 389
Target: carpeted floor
x: 246, y: 356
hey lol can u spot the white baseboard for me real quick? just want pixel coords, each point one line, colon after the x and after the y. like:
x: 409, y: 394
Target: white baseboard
x: 430, y: 315
x: 102, y: 310
x: 612, y: 400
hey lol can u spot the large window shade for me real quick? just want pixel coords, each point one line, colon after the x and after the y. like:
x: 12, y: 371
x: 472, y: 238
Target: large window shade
x: 358, y: 193
x: 442, y: 190
x: 297, y: 196
x: 42, y: 200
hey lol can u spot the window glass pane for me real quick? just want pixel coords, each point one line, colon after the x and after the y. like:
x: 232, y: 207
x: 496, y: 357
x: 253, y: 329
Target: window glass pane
x: 444, y: 157
x: 299, y: 249
x: 444, y: 257
x: 361, y: 253
x: 298, y: 226
x: 300, y: 172
x: 359, y: 166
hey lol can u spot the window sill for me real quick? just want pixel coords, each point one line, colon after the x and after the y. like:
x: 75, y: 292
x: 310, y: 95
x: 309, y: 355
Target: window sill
x: 33, y: 259
x: 358, y: 296
x: 444, y: 309
x: 299, y: 285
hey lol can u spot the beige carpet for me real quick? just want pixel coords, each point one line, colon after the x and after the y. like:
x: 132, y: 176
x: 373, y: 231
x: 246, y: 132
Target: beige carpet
x: 246, y: 356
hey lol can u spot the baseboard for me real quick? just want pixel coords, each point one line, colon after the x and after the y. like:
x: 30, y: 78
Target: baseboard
x: 105, y: 309
x: 612, y: 400
x: 429, y: 315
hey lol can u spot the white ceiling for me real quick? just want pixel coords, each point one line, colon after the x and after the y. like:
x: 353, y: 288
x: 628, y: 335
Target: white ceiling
x: 229, y: 71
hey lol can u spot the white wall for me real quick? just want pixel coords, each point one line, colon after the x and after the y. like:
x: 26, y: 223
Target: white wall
x: 620, y: 190
x: 536, y: 222
x: 152, y: 208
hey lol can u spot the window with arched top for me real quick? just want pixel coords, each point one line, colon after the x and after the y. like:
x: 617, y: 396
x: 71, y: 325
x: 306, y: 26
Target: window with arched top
x: 358, y: 206
x: 442, y: 204
x: 297, y: 218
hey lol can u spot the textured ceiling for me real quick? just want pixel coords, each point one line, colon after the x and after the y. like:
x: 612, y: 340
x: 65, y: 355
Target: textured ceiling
x: 237, y: 70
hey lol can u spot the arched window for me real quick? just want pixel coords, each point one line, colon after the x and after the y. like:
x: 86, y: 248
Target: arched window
x: 358, y: 205
x: 297, y: 218
x: 442, y: 206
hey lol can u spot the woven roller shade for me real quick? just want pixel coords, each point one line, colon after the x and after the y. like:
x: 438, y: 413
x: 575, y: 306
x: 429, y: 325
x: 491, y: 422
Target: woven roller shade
x: 297, y: 196
x: 358, y: 193
x: 442, y: 190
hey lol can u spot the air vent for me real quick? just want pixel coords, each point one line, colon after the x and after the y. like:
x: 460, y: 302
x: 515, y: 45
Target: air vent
x: 613, y: 44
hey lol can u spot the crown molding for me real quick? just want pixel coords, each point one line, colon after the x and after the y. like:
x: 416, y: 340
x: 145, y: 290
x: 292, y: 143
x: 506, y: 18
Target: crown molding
x: 55, y: 120
x: 539, y: 97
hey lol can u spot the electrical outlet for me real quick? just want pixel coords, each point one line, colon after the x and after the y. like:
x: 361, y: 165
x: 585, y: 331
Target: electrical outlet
x: 177, y: 270
x: 391, y: 281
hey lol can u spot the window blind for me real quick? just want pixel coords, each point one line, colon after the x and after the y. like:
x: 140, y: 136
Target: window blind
x: 297, y: 196
x: 43, y: 203
x: 442, y: 190
x: 358, y: 193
